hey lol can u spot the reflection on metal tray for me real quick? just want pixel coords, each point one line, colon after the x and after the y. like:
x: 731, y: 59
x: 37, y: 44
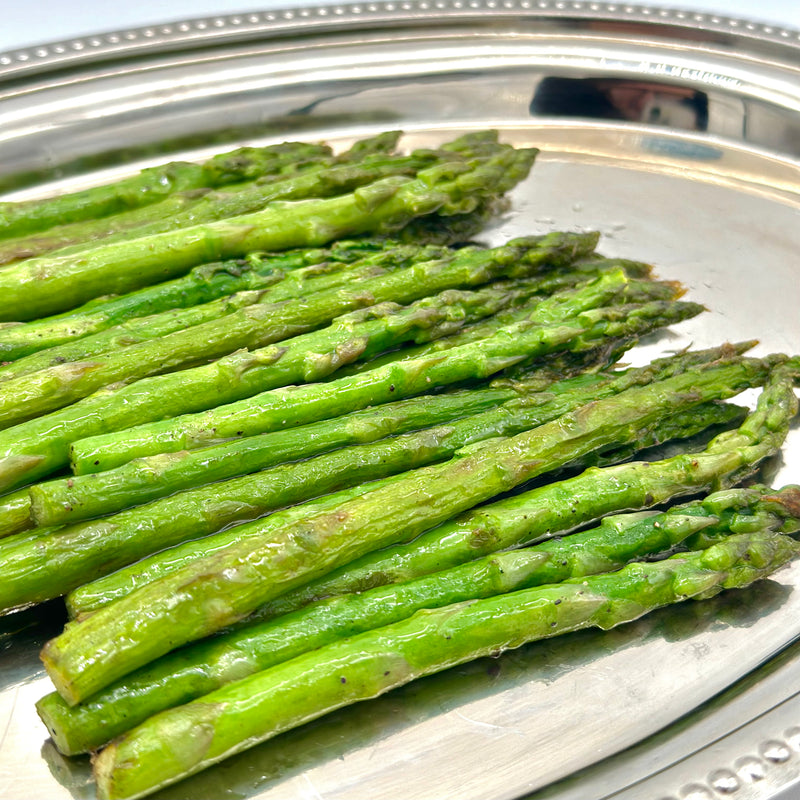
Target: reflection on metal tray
x: 676, y: 135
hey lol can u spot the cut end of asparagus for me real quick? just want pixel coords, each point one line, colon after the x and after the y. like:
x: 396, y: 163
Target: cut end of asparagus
x: 54, y: 714
x: 50, y: 658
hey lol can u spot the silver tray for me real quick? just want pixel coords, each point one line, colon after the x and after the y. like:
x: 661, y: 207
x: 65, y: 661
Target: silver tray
x: 675, y: 134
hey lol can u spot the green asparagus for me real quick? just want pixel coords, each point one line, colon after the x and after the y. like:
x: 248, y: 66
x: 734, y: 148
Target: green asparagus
x: 101, y: 591
x: 149, y: 186
x: 70, y: 238
x: 558, y: 507
x: 318, y: 181
x: 15, y: 513
x: 260, y: 323
x: 33, y: 449
x: 250, y: 163
x: 183, y: 676
x: 206, y: 293
x: 40, y: 286
x: 166, y: 748
x: 357, y: 428
x: 219, y: 590
x: 84, y: 496
x: 121, y: 207
x: 300, y: 405
x: 479, y: 330
x: 285, y: 174
x: 59, y: 561
x: 321, y: 174
x: 233, y: 421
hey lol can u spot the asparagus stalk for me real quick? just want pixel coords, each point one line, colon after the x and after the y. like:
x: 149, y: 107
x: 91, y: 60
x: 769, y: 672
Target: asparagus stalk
x: 33, y: 449
x: 292, y: 176
x: 237, y: 716
x: 60, y: 358
x: 709, y: 419
x: 240, y: 168
x: 217, y: 591
x: 300, y: 405
x: 318, y: 181
x: 243, y: 171
x: 295, y: 286
x: 56, y: 563
x: 558, y: 507
x: 250, y: 163
x: 99, y: 592
x: 44, y: 285
x: 142, y: 480
x: 147, y: 187
x: 322, y: 181
x: 358, y: 428
x: 483, y: 328
x: 261, y: 323
x: 180, y: 677
x: 284, y: 276
x: 150, y: 478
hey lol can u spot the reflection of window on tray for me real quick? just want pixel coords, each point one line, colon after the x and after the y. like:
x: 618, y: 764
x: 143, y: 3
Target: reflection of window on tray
x: 617, y: 98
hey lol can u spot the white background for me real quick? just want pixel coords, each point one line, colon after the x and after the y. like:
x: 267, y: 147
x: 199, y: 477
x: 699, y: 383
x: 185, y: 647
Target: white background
x: 28, y: 22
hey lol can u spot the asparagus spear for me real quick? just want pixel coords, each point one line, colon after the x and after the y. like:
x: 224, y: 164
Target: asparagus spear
x: 183, y: 676
x: 44, y: 285
x: 166, y: 748
x: 90, y: 596
x: 488, y: 327
x: 295, y: 286
x: 318, y: 181
x: 300, y: 405
x: 322, y: 181
x: 210, y: 281
x: 250, y: 163
x: 148, y: 478
x: 149, y: 186
x: 261, y: 323
x: 248, y: 167
x: 213, y: 592
x: 357, y: 428
x: 84, y: 496
x: 33, y: 449
x: 55, y: 563
x: 284, y: 276
x: 243, y: 170
x: 135, y: 331
x: 319, y: 175
x: 560, y: 506
x: 240, y: 375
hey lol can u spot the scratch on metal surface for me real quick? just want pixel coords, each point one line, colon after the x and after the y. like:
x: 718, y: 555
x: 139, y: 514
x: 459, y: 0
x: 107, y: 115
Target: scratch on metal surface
x: 4, y: 735
x: 479, y: 724
x: 315, y: 794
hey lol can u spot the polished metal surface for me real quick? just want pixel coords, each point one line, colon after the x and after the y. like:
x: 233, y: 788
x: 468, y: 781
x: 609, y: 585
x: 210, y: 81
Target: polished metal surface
x: 679, y: 139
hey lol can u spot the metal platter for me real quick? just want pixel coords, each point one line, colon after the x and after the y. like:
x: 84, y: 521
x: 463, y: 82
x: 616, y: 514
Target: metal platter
x: 675, y: 134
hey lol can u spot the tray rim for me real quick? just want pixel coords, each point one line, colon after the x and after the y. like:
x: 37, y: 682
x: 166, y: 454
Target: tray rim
x: 278, y: 23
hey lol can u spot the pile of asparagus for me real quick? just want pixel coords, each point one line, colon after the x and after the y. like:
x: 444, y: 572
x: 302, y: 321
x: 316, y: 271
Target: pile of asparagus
x: 284, y: 440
